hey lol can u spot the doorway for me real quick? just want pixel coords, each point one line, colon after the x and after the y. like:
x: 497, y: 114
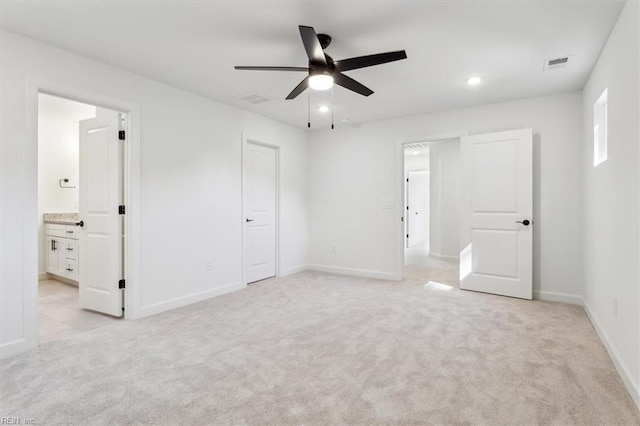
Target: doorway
x: 80, y: 185
x: 417, y: 197
x: 260, y: 211
x: 431, y: 180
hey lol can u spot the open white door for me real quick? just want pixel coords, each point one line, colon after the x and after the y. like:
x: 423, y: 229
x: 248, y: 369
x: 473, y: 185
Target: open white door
x: 260, y: 181
x: 417, y: 207
x: 496, y: 221
x: 100, y: 249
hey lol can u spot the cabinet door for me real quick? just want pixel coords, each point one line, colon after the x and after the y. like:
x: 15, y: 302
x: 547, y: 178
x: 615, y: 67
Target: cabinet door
x: 51, y: 256
x: 61, y: 255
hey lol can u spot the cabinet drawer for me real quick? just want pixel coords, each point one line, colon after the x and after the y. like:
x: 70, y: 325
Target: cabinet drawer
x: 71, y: 248
x: 71, y: 270
x: 71, y: 231
x: 55, y: 230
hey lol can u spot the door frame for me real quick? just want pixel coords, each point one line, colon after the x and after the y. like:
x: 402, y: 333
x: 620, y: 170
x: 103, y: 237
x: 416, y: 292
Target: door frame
x: 400, y: 190
x: 246, y: 140
x: 131, y: 174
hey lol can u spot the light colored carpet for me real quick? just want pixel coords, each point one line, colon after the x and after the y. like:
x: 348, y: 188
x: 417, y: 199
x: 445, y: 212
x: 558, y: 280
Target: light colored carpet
x: 316, y: 348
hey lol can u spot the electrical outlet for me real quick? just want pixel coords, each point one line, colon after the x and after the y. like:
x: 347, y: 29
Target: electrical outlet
x: 208, y: 264
x: 614, y: 306
x: 333, y: 249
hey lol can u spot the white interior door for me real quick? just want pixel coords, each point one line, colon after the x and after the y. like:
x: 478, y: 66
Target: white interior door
x: 496, y: 220
x: 260, y: 192
x: 418, y: 207
x: 100, y: 255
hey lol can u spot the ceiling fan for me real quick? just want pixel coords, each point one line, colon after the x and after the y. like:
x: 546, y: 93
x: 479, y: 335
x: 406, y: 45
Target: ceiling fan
x: 324, y: 71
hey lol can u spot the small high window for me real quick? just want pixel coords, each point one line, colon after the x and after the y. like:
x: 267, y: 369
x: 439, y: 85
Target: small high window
x: 600, y: 129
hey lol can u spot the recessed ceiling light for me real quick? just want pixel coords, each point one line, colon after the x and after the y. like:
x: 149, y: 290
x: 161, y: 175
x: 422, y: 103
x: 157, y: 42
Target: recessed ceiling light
x: 323, y: 108
x: 474, y: 81
x: 344, y: 119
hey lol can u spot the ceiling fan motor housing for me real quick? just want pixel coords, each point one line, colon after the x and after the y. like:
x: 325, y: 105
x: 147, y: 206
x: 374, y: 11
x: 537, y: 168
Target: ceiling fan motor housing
x: 325, y: 40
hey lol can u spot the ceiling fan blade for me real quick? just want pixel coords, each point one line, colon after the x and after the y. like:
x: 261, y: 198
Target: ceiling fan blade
x: 369, y: 60
x: 299, y: 88
x: 312, y: 45
x: 351, y: 84
x: 272, y: 68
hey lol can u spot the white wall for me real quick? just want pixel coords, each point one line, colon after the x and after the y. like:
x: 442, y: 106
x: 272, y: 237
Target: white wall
x: 352, y: 178
x: 190, y: 185
x: 445, y: 200
x: 611, y: 199
x: 415, y: 163
x: 58, y: 158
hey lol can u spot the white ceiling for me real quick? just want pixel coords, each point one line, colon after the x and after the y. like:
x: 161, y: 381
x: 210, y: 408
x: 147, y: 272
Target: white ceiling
x: 193, y: 45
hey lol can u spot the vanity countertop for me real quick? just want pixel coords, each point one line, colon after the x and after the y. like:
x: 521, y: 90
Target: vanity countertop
x: 61, y: 218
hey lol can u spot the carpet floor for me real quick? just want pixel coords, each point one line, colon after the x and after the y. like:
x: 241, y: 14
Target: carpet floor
x: 316, y: 348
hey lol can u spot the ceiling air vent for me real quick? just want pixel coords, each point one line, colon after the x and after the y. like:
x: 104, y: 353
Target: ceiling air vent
x: 415, y: 146
x: 254, y: 98
x: 556, y: 63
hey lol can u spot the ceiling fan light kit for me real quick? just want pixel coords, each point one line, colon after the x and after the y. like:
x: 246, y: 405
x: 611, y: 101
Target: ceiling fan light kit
x: 323, y: 71
x: 321, y: 81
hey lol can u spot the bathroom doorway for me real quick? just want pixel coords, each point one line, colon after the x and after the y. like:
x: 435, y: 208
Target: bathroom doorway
x: 80, y: 188
x: 432, y: 198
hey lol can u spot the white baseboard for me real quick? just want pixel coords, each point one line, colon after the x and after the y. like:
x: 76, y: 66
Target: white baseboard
x: 43, y: 276
x: 294, y: 270
x: 627, y: 379
x: 355, y: 272
x: 550, y: 296
x: 179, y: 302
x: 443, y: 256
x: 15, y: 347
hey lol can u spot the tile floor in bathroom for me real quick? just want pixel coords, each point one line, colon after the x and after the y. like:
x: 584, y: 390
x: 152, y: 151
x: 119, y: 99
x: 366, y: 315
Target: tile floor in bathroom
x: 60, y: 315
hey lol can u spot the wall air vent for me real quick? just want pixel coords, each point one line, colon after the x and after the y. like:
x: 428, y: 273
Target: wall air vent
x: 254, y: 98
x: 556, y: 63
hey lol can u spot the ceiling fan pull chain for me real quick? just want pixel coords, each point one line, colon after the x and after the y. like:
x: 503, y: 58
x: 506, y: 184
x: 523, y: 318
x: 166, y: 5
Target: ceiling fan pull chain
x: 309, y: 111
x: 332, y: 107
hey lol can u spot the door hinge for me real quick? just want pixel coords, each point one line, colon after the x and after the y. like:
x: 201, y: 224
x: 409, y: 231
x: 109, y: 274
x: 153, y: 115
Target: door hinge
x: 121, y: 134
x: 121, y: 209
x: 121, y: 284
x: 407, y: 207
x: 407, y: 235
x: 407, y: 179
